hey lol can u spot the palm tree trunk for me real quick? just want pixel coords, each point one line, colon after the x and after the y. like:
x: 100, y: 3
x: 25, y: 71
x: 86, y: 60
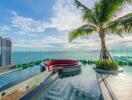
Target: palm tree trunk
x: 104, y: 49
x: 104, y: 54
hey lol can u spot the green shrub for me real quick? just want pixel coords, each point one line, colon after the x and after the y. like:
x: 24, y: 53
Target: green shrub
x: 18, y: 66
x: 83, y: 62
x: 107, y: 65
x: 31, y: 64
x: 130, y: 63
x: 86, y: 62
x: 120, y: 63
x: 24, y: 66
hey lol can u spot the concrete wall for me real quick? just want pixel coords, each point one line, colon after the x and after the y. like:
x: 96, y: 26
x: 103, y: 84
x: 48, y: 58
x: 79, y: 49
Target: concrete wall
x: 29, y: 83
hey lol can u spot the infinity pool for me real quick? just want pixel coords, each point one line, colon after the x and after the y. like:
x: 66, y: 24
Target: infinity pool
x: 80, y: 87
x: 13, y: 78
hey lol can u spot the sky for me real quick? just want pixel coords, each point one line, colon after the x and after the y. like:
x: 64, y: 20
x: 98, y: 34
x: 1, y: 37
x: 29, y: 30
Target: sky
x: 45, y: 24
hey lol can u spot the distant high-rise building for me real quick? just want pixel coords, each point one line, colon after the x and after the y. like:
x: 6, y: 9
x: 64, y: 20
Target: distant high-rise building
x: 5, y: 51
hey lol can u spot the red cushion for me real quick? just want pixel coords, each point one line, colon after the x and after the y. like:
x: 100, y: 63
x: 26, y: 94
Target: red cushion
x: 63, y: 63
x: 50, y: 67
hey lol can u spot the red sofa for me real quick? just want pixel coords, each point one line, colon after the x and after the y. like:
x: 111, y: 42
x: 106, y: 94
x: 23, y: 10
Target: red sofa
x: 51, y: 64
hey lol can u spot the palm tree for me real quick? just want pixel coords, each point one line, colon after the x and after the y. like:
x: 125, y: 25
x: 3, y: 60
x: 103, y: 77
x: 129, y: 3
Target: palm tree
x: 99, y: 20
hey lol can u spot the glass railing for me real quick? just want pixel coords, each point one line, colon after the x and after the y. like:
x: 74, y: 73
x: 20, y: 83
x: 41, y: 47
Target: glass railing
x: 20, y: 57
x: 27, y: 56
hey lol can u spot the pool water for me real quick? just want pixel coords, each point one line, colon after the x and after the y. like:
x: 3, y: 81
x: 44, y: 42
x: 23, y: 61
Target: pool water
x: 10, y: 79
x: 80, y: 87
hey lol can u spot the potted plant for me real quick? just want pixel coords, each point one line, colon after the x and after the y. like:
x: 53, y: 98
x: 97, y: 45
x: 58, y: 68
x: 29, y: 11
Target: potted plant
x: 107, y: 67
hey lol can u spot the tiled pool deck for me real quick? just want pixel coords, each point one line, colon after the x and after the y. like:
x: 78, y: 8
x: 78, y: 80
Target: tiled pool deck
x: 119, y: 86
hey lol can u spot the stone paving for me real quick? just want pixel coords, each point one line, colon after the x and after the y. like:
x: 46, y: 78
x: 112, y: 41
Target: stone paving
x: 120, y: 86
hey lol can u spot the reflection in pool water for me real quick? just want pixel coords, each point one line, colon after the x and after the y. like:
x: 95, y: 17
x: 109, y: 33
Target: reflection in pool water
x: 80, y: 87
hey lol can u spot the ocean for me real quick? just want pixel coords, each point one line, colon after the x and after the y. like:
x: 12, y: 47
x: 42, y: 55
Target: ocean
x: 25, y: 57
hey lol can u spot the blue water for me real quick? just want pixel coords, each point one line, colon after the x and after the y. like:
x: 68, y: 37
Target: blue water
x: 23, y: 57
x: 13, y: 78
x: 79, y: 87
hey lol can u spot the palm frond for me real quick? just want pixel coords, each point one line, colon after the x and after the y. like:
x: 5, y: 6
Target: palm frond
x: 130, y: 1
x: 84, y: 30
x: 121, y: 25
x: 88, y: 15
x: 105, y: 9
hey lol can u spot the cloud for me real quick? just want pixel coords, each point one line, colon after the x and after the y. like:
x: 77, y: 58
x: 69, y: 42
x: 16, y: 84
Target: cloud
x: 27, y: 25
x: 66, y: 17
x: 45, y: 43
x: 4, y: 29
x: 127, y: 8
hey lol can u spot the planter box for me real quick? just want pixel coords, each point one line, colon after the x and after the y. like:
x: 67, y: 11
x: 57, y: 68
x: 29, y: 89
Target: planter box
x: 109, y: 72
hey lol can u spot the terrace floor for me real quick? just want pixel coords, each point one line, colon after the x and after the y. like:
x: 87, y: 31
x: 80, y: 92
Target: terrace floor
x: 119, y: 86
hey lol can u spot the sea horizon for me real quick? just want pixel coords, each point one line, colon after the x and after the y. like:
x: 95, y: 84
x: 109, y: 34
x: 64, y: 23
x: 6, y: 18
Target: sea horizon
x: 19, y: 57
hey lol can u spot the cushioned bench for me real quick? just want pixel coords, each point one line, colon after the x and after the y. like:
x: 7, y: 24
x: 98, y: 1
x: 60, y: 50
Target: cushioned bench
x: 51, y: 64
